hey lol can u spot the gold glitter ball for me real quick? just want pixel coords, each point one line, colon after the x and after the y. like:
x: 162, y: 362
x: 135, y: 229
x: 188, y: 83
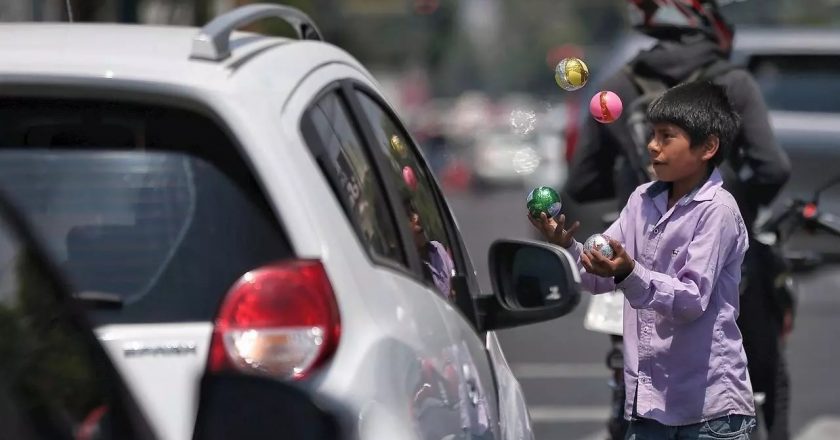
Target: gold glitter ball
x: 571, y: 74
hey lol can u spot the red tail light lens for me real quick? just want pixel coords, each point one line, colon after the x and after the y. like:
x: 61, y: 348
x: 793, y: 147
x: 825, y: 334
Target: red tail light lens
x: 279, y: 320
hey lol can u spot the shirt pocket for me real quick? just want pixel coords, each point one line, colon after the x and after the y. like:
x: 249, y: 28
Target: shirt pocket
x: 727, y: 427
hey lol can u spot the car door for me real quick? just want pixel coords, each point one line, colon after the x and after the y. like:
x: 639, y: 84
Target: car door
x: 405, y: 377
x: 445, y: 268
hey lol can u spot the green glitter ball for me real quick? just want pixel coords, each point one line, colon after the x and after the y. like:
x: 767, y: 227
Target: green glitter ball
x: 543, y: 199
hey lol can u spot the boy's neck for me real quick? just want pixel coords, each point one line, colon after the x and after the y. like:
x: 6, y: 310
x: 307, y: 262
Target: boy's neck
x: 682, y: 187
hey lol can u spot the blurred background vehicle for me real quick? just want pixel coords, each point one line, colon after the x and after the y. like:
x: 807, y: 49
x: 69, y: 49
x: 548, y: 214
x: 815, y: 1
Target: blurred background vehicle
x: 503, y: 158
x: 57, y: 382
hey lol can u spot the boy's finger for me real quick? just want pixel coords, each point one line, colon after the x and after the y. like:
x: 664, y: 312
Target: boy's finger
x: 584, y: 260
x: 616, y: 246
x: 599, y: 258
x: 591, y: 257
x: 590, y: 264
x: 573, y: 228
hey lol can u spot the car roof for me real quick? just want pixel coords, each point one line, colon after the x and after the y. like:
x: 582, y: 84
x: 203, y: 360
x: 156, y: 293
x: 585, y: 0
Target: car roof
x: 156, y: 54
x: 805, y: 124
x: 794, y: 41
x: 754, y: 40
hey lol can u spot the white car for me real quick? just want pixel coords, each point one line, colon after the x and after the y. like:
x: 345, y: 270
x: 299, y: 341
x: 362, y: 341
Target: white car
x: 230, y: 201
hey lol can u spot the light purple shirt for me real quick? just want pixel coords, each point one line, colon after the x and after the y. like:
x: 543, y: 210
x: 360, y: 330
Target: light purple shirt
x: 683, y: 352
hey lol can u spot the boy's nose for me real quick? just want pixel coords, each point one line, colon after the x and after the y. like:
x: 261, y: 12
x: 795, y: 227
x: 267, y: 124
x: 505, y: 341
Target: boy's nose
x: 653, y: 146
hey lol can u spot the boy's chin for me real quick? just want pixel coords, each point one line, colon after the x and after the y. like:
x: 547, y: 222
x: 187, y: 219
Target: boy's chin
x: 661, y: 174
x: 662, y: 177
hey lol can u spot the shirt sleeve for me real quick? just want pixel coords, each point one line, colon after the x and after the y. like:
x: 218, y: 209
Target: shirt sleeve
x: 618, y: 230
x: 684, y: 297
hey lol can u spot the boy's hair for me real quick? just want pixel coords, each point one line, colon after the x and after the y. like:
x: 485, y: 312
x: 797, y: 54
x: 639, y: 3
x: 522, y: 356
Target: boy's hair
x: 702, y: 109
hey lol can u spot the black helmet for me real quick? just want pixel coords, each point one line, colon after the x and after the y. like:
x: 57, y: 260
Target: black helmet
x: 664, y: 19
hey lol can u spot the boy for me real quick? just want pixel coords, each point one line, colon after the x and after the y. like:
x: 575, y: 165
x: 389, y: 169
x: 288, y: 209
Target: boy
x: 678, y: 243
x: 437, y: 264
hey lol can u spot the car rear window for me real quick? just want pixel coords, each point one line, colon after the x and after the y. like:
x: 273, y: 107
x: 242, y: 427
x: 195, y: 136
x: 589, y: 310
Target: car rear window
x: 799, y: 82
x: 150, y: 208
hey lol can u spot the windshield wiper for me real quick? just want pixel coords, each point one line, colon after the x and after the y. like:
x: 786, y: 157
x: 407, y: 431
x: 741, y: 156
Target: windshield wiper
x: 100, y: 300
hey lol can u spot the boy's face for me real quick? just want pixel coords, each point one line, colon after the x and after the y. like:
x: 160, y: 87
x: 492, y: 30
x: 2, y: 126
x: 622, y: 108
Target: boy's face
x: 672, y: 157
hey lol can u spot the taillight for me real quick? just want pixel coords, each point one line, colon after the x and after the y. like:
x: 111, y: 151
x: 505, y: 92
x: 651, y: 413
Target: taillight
x: 279, y: 320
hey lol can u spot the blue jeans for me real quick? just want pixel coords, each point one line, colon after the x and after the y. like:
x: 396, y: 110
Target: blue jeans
x: 727, y: 428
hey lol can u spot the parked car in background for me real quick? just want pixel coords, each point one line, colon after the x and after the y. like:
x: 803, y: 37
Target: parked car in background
x: 224, y: 201
x: 504, y: 156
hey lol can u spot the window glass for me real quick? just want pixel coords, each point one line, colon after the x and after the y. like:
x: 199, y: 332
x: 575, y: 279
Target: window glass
x: 152, y: 206
x: 421, y: 212
x: 330, y: 133
x: 798, y: 82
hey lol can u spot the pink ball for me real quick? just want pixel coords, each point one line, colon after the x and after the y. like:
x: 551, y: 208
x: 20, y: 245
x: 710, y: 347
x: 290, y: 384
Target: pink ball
x: 605, y: 107
x: 409, y: 178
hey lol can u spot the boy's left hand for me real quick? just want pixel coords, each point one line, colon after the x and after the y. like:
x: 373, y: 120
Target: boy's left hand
x: 619, y: 267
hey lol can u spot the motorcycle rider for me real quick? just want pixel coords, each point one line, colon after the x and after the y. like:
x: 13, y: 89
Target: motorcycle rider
x: 694, y: 41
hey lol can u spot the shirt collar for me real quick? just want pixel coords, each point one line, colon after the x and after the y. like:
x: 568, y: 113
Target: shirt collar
x: 704, y: 192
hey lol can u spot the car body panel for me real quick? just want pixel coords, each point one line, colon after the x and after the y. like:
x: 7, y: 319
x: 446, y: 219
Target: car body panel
x: 418, y: 354
x: 405, y: 357
x: 513, y: 425
x: 160, y: 364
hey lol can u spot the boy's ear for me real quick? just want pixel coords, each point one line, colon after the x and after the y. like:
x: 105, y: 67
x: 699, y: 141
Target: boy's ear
x: 710, y: 147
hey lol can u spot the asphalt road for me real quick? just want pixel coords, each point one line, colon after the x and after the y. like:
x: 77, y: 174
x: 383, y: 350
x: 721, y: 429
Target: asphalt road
x: 561, y: 365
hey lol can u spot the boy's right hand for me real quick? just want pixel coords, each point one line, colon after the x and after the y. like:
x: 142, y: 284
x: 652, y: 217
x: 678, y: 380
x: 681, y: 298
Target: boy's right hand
x: 554, y: 231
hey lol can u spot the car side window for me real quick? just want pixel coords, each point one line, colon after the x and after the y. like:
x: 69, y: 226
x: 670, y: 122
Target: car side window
x: 416, y: 191
x: 329, y: 132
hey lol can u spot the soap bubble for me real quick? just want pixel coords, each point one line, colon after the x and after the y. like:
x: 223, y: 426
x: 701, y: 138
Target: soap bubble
x: 523, y: 121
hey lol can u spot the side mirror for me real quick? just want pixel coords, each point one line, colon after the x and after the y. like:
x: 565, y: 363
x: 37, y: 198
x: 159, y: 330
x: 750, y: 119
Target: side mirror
x: 254, y: 408
x: 532, y: 282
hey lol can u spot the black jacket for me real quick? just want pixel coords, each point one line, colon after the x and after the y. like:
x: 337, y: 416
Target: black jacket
x: 754, y: 171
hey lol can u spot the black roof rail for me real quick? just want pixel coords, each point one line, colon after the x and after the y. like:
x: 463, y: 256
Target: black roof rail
x: 213, y: 41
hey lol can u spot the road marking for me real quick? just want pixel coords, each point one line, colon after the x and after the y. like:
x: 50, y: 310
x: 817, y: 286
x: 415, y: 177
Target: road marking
x: 560, y: 371
x: 597, y: 435
x: 567, y: 414
x: 822, y: 428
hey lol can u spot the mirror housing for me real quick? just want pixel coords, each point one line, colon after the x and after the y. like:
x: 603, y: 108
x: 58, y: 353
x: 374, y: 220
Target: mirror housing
x: 532, y: 282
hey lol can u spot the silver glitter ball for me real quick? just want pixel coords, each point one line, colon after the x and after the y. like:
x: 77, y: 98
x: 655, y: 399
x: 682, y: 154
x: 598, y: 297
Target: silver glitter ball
x: 600, y: 242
